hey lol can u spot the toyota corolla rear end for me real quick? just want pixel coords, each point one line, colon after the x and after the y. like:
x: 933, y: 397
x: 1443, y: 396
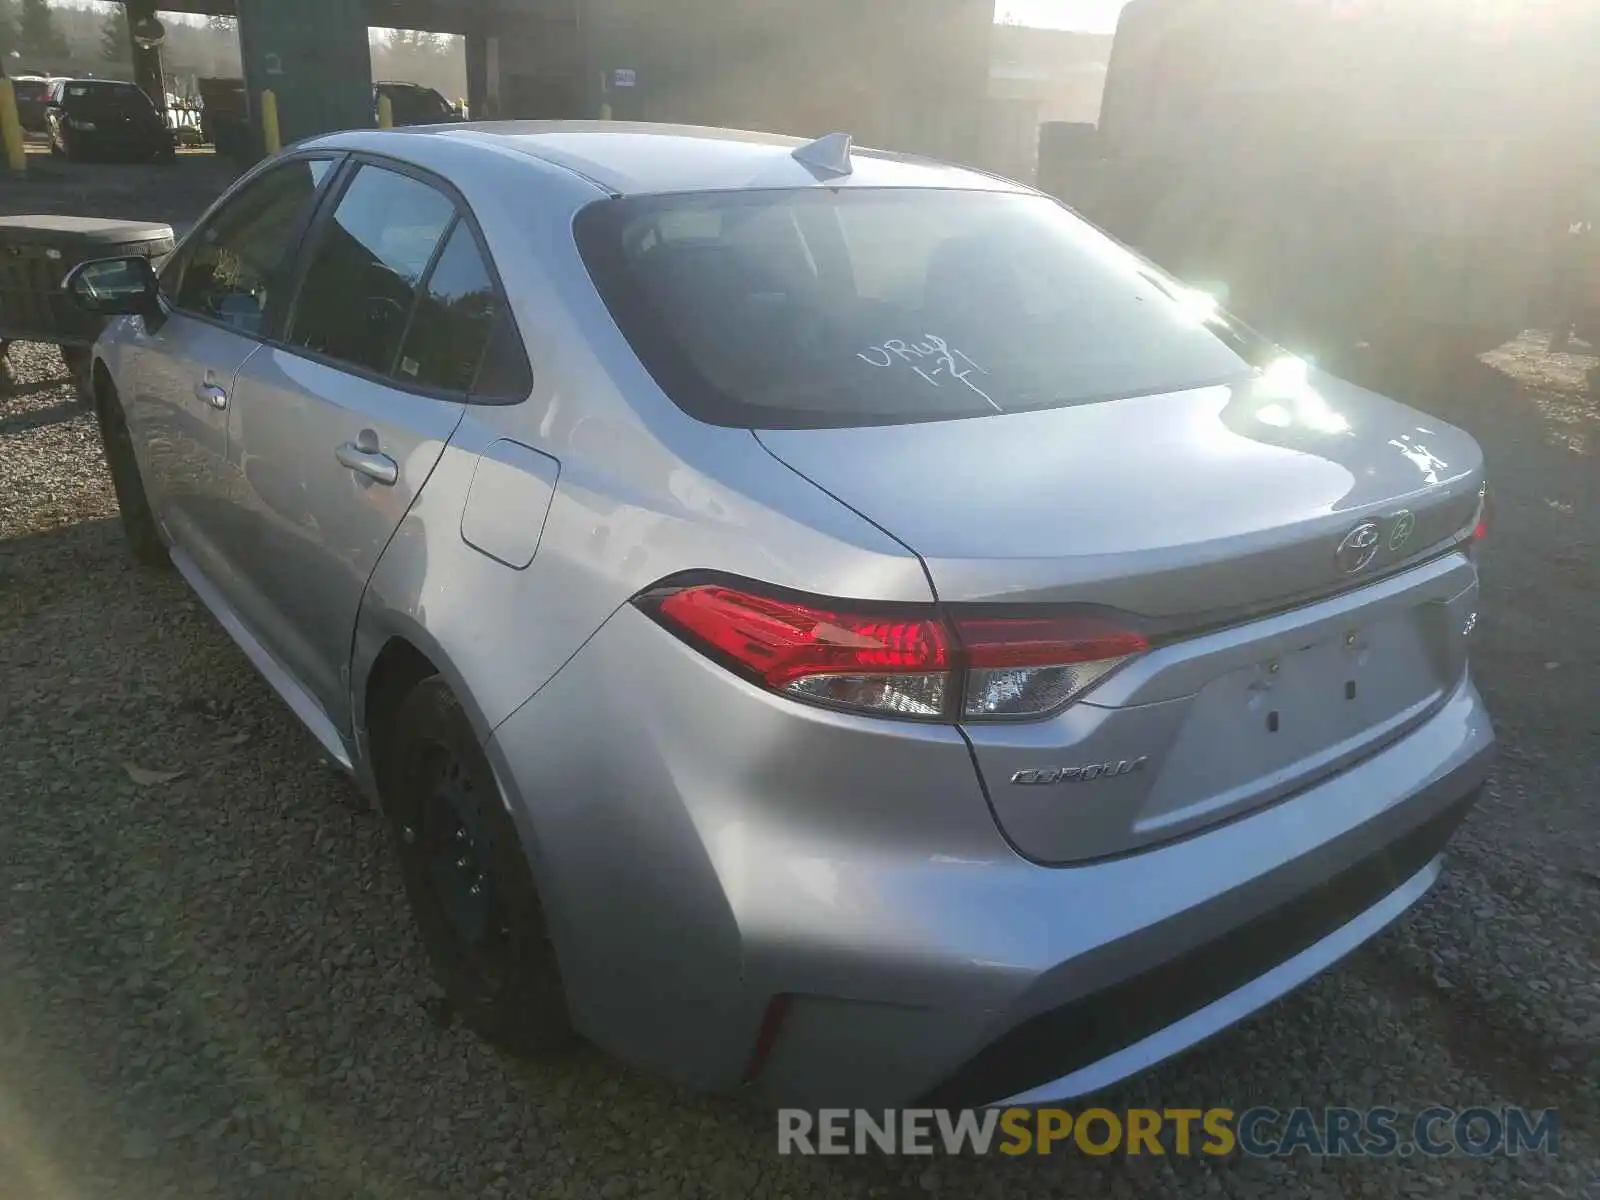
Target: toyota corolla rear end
x: 1175, y: 713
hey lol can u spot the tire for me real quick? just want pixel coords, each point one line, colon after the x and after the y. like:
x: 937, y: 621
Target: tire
x: 138, y: 522
x: 79, y: 363
x: 489, y: 948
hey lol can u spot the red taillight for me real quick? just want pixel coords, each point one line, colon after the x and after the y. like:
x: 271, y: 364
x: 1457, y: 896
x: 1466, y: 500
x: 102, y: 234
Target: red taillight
x: 902, y: 661
x: 1479, y: 529
x: 881, y: 662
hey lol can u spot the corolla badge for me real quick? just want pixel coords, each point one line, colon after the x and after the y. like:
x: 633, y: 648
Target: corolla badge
x: 1087, y: 773
x: 1359, y: 548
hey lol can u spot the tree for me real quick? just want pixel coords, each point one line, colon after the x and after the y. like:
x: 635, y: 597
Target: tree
x: 412, y: 46
x: 37, y: 35
x: 222, y: 25
x: 116, y: 44
x: 8, y: 28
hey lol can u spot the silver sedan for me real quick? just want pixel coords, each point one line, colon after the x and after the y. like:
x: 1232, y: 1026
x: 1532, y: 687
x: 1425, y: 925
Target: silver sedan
x: 815, y: 619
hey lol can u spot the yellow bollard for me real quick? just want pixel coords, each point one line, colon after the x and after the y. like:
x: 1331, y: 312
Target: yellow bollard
x: 269, y: 121
x: 11, y: 128
x: 385, y: 113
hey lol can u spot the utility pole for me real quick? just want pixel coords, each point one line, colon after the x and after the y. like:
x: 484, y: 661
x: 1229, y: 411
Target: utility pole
x: 147, y: 72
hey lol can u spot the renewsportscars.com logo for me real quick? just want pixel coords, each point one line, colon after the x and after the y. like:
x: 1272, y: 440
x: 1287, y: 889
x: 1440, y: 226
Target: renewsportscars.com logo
x: 1258, y: 1132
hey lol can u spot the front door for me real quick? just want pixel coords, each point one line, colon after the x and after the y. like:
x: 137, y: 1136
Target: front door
x: 184, y: 371
x: 215, y: 296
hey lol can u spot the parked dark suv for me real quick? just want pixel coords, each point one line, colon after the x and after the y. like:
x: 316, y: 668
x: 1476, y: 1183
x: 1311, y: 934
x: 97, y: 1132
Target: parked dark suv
x: 102, y: 117
x: 33, y: 94
x: 414, y: 104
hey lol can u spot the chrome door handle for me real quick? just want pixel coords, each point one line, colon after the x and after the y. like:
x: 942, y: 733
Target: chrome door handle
x: 375, y: 466
x: 213, y: 394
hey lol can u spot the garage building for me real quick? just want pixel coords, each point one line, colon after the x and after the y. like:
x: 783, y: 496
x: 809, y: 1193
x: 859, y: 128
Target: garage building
x: 905, y: 74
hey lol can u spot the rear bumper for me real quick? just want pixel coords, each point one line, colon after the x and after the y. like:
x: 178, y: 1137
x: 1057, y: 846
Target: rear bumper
x: 131, y: 145
x: 704, y: 847
x: 1098, y: 1039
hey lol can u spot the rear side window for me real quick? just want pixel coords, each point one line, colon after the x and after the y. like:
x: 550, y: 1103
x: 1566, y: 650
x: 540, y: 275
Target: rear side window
x: 397, y: 284
x: 824, y: 307
x: 454, y: 318
x: 106, y: 97
x: 366, y: 267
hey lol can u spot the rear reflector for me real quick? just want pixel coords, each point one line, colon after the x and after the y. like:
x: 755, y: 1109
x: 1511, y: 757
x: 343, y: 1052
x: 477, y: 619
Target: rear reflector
x: 1027, y: 666
x: 905, y: 661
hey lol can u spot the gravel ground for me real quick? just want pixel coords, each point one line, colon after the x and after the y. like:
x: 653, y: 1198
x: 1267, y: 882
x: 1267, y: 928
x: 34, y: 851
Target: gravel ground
x: 209, y: 985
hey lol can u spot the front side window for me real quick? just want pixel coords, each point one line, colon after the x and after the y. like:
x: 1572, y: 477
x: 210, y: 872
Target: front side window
x: 838, y: 307
x: 366, y: 267
x: 238, y: 260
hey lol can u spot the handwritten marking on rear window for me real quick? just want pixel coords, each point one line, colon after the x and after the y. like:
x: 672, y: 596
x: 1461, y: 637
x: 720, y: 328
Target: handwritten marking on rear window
x: 932, y: 358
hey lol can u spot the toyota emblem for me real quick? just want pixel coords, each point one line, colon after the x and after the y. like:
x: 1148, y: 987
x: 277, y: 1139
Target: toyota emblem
x: 1359, y: 547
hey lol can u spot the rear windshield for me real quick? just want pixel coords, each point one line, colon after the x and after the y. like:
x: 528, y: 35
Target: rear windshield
x: 32, y: 89
x: 106, y: 97
x: 820, y: 308
x: 417, y: 105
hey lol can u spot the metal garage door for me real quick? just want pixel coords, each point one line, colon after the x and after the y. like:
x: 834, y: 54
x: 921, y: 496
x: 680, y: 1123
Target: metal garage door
x: 313, y: 54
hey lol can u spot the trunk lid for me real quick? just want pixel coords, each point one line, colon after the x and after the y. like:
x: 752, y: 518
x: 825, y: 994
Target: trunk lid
x: 1217, y: 499
x: 1284, y: 551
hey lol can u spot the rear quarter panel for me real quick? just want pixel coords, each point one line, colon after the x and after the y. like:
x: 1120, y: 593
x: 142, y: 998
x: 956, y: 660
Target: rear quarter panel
x: 644, y: 491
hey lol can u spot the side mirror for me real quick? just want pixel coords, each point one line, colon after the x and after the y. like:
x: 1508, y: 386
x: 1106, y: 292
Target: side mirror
x: 115, y: 287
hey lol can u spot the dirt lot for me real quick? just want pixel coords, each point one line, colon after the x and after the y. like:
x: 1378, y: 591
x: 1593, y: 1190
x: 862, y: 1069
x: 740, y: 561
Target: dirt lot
x: 208, y: 984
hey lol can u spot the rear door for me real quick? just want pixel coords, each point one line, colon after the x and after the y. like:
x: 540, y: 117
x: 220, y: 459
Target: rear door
x: 335, y: 430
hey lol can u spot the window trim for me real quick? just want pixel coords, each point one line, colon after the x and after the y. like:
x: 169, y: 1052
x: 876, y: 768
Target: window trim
x: 463, y: 215
x: 182, y: 254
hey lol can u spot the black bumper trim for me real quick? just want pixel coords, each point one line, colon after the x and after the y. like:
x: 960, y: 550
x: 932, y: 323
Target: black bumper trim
x: 1066, y: 1039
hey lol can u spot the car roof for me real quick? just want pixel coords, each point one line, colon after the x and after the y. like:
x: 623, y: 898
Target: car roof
x: 640, y: 158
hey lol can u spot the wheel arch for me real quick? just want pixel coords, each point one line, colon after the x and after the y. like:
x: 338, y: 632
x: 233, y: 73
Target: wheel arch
x: 392, y: 652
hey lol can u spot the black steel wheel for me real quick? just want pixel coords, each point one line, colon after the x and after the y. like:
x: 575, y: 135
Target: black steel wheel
x: 138, y: 522
x: 471, y: 890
